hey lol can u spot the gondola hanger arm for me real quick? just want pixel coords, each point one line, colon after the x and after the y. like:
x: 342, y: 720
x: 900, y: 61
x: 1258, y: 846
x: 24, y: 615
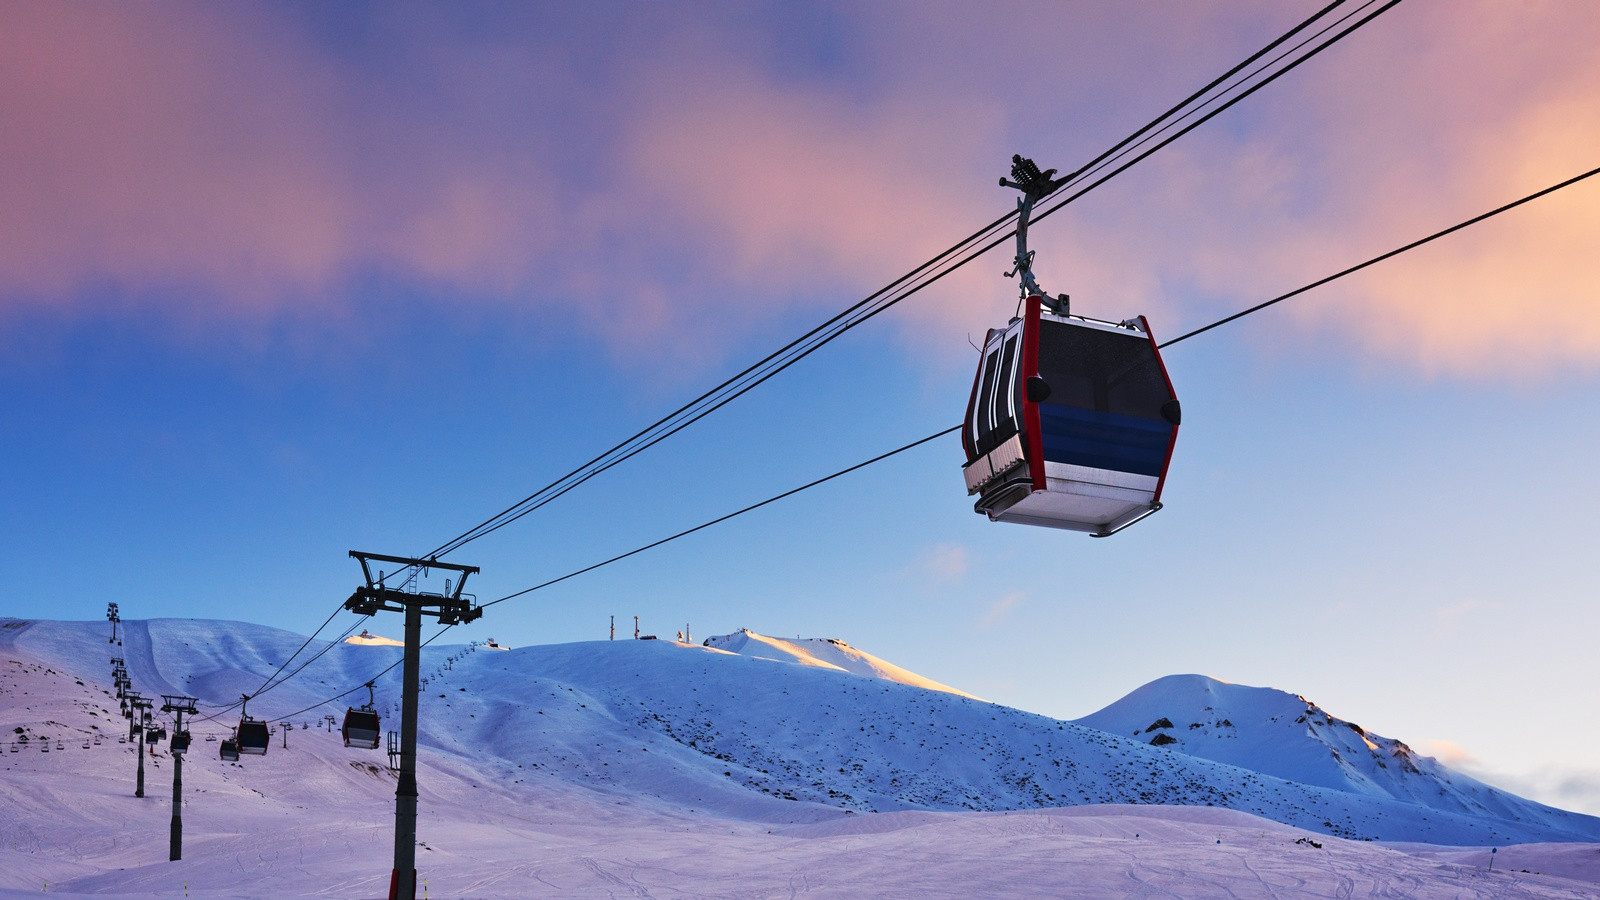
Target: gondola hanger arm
x: 1034, y: 185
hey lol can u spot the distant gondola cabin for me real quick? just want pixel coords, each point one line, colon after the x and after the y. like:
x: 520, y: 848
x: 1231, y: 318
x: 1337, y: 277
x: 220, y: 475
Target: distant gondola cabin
x: 361, y: 728
x: 253, y: 737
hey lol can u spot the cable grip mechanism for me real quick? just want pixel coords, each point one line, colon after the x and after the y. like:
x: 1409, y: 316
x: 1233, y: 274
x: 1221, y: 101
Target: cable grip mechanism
x: 1034, y: 185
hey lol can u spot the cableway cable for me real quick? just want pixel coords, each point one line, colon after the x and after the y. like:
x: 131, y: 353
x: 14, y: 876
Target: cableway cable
x: 1076, y: 192
x: 938, y: 434
x: 1381, y: 257
x: 298, y: 651
x: 720, y: 519
x: 898, y: 290
x: 914, y: 281
x: 269, y: 684
x: 1177, y: 114
x: 363, y: 684
x: 1134, y: 138
x: 698, y: 408
x: 1223, y: 321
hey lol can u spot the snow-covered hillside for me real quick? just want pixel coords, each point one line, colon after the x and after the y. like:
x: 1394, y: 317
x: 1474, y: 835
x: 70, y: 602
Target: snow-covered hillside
x: 572, y: 752
x: 1286, y: 735
x: 755, y: 737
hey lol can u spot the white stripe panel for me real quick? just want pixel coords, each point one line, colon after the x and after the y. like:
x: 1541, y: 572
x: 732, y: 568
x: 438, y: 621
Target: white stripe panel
x: 1054, y: 471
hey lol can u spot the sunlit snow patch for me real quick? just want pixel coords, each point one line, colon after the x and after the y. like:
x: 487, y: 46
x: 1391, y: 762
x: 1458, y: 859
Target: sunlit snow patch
x: 826, y: 653
x: 368, y: 639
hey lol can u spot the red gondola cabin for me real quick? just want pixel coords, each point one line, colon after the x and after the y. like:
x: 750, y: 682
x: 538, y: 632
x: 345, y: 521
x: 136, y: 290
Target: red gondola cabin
x: 1071, y: 423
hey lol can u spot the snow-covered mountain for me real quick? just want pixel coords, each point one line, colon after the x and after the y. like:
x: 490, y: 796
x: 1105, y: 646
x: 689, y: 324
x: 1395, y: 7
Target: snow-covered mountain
x: 769, y: 734
x: 1285, y: 735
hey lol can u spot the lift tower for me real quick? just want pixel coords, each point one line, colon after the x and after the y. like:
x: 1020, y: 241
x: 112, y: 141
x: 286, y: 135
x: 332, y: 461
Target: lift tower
x: 139, y: 713
x: 451, y: 607
x: 178, y: 705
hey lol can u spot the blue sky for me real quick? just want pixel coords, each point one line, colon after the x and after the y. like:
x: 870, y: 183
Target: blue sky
x: 282, y: 281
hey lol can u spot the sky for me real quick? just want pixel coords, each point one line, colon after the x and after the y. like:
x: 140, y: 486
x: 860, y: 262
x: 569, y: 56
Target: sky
x: 281, y: 281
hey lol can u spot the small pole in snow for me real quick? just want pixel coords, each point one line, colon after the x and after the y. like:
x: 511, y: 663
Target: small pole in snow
x: 1492, y: 852
x: 613, y: 628
x: 636, y: 628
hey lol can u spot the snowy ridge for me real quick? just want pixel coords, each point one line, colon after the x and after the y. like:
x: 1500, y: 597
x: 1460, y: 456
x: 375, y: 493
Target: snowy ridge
x: 368, y: 639
x: 826, y: 653
x: 583, y: 751
x: 701, y: 728
x: 1285, y: 735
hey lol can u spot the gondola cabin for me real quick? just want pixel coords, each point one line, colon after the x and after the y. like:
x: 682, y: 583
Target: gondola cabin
x: 253, y: 737
x: 1071, y: 423
x: 229, y: 750
x: 361, y: 728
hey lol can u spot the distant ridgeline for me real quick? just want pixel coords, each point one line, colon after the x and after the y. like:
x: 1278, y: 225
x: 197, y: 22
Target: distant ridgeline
x: 771, y: 730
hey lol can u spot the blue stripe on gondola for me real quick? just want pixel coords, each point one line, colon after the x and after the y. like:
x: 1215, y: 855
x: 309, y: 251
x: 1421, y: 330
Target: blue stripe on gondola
x: 1103, y: 440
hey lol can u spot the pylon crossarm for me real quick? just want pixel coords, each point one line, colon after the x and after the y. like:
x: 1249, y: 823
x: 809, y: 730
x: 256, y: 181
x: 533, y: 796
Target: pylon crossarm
x: 408, y: 562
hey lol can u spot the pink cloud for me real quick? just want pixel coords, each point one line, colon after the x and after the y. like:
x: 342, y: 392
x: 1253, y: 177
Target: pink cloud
x: 1499, y: 104
x: 139, y: 154
x: 216, y: 165
x: 786, y: 193
x: 212, y: 160
x: 1431, y: 116
x: 1001, y: 608
x: 940, y: 564
x: 1448, y: 752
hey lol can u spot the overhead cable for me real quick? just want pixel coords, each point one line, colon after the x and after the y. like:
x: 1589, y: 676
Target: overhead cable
x: 898, y: 290
x: 269, y: 684
x: 939, y: 434
x: 1195, y: 103
x: 929, y: 272
x: 720, y: 519
x: 1383, y: 256
x: 363, y: 684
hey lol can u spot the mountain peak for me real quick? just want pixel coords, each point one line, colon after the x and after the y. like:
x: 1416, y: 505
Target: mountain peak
x: 1285, y: 735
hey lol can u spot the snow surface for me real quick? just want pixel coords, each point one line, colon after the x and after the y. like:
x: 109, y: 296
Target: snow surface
x: 373, y: 640
x: 825, y: 653
x: 651, y: 768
